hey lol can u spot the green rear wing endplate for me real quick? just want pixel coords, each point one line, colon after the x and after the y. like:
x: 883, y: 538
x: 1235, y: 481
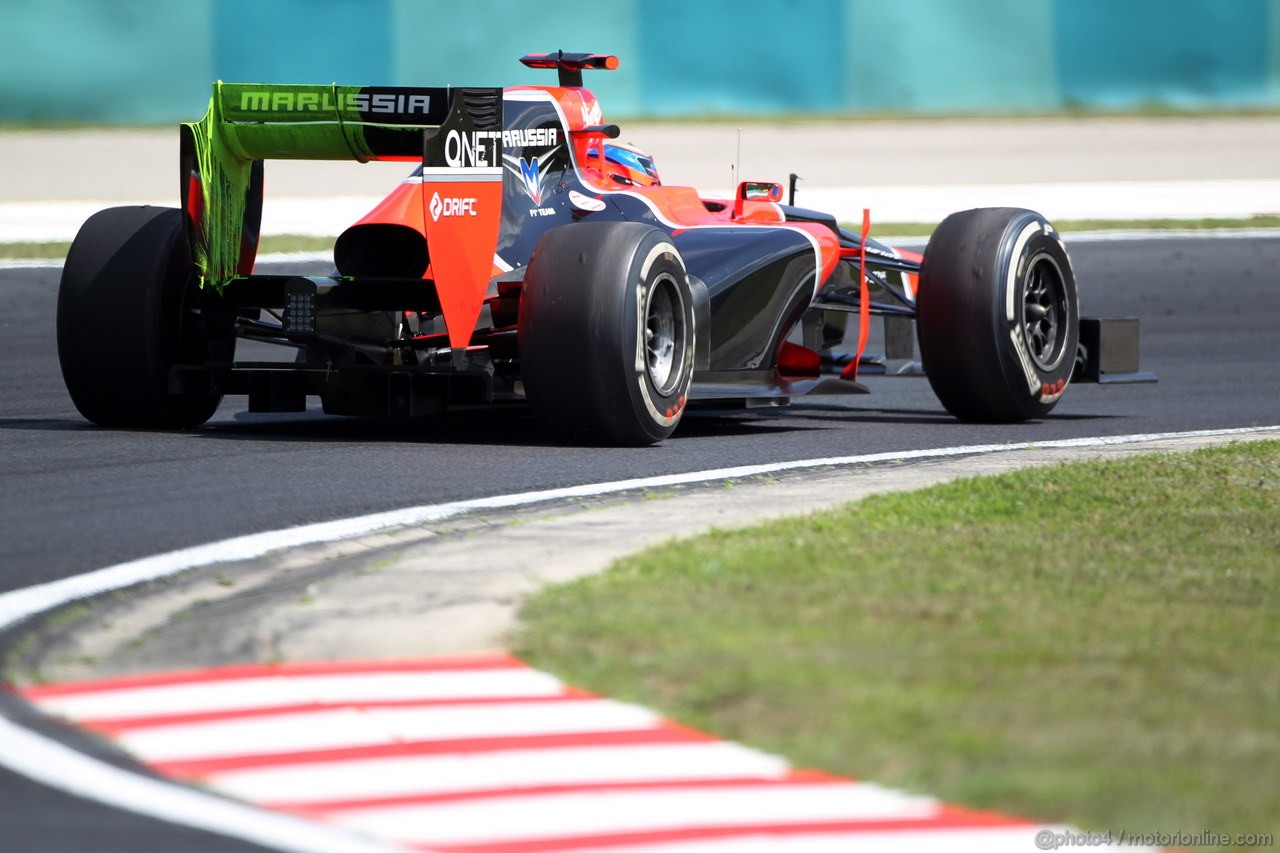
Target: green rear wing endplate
x: 221, y: 155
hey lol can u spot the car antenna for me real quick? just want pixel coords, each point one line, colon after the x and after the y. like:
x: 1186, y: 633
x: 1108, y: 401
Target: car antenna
x: 794, y: 178
x: 738, y: 160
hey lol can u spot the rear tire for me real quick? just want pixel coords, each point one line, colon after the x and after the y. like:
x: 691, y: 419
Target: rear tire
x: 997, y: 315
x: 125, y: 317
x: 606, y: 333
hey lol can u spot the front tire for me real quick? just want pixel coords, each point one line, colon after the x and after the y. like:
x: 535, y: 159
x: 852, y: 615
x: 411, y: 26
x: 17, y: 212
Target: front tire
x: 126, y: 316
x: 606, y: 333
x: 997, y: 315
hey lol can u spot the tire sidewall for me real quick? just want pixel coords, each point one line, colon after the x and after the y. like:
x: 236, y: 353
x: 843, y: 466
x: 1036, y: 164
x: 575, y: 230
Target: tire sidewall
x: 581, y: 326
x: 656, y: 265
x: 1028, y: 241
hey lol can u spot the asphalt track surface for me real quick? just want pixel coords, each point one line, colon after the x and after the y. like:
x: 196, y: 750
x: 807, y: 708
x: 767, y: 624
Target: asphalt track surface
x: 75, y: 497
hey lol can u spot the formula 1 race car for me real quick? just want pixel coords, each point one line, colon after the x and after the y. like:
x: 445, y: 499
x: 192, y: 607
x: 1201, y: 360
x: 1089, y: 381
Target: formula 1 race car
x: 532, y: 257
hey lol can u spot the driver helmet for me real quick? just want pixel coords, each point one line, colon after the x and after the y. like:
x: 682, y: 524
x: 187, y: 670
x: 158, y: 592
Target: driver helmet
x: 625, y: 164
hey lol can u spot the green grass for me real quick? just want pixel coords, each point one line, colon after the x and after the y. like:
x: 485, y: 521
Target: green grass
x: 1092, y: 643
x: 34, y: 251
x: 1067, y: 226
x: 303, y: 243
x: 275, y: 243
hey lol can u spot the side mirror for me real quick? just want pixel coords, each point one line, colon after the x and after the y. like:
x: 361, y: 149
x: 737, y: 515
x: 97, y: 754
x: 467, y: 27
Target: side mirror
x: 755, y: 191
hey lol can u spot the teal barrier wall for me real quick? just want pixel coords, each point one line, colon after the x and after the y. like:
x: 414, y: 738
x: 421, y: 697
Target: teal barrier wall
x: 127, y: 61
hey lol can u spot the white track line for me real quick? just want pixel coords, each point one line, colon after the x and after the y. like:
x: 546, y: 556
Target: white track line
x: 54, y: 220
x: 24, y: 603
x: 47, y: 761
x: 901, y: 242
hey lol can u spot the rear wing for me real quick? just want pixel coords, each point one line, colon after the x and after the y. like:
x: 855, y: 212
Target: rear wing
x: 455, y: 133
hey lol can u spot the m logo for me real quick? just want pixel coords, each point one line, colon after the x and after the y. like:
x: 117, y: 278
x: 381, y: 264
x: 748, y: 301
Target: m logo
x: 532, y: 172
x: 531, y: 178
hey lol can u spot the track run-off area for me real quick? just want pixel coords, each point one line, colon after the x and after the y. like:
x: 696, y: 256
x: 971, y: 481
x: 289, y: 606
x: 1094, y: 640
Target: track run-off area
x: 477, y: 752
x: 77, y: 499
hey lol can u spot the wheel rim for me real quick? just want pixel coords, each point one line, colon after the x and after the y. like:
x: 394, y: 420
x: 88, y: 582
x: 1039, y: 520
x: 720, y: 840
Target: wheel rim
x: 664, y: 335
x: 1044, y: 312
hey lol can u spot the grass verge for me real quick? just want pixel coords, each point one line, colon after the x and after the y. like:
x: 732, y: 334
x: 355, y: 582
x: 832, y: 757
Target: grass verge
x: 1091, y: 643
x: 1067, y: 226
x: 305, y: 243
x: 270, y: 244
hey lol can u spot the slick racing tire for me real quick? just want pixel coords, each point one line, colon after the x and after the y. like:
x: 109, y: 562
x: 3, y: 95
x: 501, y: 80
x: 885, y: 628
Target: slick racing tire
x: 998, y: 318
x: 606, y: 333
x: 126, y: 316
